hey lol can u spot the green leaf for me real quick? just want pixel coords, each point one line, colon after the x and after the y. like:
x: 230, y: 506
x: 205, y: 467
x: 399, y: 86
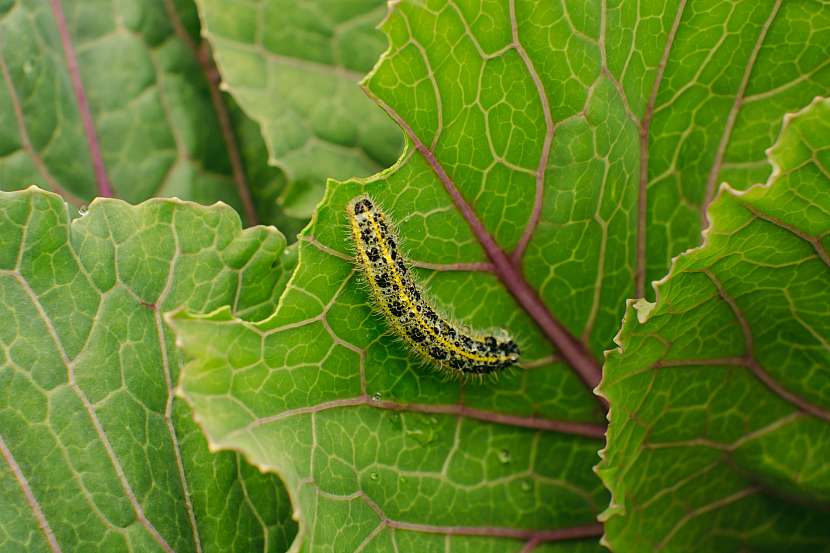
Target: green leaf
x: 559, y: 154
x: 720, y: 410
x: 96, y: 454
x: 158, y: 125
x: 293, y: 67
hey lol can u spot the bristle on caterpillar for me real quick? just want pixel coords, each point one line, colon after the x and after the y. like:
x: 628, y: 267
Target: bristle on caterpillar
x: 459, y: 352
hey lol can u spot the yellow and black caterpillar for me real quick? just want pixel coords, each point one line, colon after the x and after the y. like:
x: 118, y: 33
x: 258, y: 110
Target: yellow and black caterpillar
x: 461, y: 353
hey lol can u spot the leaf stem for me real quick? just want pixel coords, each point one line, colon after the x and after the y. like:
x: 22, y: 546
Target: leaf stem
x: 571, y: 349
x: 585, y: 429
x: 204, y: 57
x: 101, y: 179
x: 645, y: 127
x: 534, y: 537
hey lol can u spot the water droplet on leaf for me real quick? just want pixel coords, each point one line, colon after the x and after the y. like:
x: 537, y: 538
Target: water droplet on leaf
x: 377, y: 396
x: 504, y: 456
x: 83, y: 210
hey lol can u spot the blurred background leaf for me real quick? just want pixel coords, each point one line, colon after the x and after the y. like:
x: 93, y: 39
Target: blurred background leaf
x: 294, y: 67
x: 159, y: 125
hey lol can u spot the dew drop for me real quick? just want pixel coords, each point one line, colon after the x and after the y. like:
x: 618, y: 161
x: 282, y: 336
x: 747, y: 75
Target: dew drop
x: 83, y: 210
x: 374, y: 476
x: 377, y: 396
x: 504, y: 456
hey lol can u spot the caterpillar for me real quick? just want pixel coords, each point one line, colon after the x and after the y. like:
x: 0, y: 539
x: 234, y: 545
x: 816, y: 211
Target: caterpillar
x: 459, y: 352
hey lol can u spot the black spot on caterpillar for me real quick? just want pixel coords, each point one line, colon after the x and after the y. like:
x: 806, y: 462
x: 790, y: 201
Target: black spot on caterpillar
x: 459, y: 352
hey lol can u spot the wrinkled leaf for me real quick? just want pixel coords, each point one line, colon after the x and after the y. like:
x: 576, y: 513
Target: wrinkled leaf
x: 156, y: 116
x: 293, y: 67
x: 96, y: 453
x: 720, y: 406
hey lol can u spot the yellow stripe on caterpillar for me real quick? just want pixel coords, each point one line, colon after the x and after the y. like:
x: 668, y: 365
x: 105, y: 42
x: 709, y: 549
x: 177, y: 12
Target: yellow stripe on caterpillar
x: 460, y: 352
